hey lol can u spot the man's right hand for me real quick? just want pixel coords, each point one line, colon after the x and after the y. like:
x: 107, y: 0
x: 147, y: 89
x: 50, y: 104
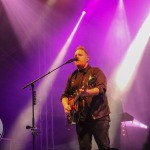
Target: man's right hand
x: 67, y: 108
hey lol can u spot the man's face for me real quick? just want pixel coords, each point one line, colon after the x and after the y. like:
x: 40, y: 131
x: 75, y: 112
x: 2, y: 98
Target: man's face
x: 82, y: 59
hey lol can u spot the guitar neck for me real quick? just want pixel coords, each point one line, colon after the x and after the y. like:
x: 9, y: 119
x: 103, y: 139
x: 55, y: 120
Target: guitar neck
x: 79, y: 94
x: 76, y: 98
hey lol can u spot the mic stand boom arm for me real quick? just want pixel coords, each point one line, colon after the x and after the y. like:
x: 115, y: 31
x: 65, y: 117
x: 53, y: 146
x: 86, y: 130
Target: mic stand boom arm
x: 33, y: 128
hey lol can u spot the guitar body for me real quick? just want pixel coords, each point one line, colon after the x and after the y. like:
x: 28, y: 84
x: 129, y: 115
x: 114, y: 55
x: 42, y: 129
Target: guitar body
x: 74, y: 114
x: 73, y: 105
x: 77, y: 103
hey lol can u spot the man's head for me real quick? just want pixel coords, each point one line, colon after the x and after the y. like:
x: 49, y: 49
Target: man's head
x: 82, y: 56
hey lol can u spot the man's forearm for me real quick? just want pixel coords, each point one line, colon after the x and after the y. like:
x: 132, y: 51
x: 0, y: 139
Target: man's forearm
x: 92, y: 92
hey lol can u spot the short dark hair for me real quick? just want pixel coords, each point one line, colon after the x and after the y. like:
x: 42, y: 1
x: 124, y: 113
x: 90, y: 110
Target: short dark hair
x: 82, y: 48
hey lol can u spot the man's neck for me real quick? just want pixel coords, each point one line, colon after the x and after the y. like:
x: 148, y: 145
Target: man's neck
x: 81, y: 68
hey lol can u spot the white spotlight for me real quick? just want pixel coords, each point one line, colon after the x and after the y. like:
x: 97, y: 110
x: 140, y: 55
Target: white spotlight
x: 83, y: 12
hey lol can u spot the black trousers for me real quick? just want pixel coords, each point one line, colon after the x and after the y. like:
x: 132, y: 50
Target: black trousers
x: 99, y: 128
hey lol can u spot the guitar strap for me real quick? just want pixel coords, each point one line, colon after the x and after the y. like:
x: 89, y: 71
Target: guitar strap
x: 84, y: 79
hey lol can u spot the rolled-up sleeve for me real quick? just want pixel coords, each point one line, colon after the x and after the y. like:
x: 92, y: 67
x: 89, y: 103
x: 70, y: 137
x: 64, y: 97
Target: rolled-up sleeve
x: 101, y: 81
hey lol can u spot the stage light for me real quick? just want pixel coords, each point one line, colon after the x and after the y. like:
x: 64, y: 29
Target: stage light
x: 83, y: 12
x: 134, y: 52
x: 135, y: 123
x: 124, y: 75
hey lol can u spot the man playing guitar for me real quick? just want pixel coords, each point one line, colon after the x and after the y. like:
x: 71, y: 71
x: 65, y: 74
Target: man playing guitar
x: 85, y: 103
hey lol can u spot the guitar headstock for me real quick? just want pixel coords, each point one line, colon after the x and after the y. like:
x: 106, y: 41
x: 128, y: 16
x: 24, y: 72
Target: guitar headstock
x: 92, y: 80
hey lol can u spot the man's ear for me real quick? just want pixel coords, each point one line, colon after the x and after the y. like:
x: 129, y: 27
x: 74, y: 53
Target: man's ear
x: 87, y: 59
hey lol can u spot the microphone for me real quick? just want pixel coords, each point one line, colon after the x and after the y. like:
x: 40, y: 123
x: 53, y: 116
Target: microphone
x: 71, y: 60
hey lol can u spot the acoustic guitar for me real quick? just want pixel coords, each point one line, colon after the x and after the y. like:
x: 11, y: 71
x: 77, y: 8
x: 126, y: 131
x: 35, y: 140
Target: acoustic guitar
x: 74, y: 115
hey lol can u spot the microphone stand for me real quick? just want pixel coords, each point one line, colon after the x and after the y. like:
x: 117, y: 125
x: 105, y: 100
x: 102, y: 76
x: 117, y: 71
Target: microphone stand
x: 33, y: 128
